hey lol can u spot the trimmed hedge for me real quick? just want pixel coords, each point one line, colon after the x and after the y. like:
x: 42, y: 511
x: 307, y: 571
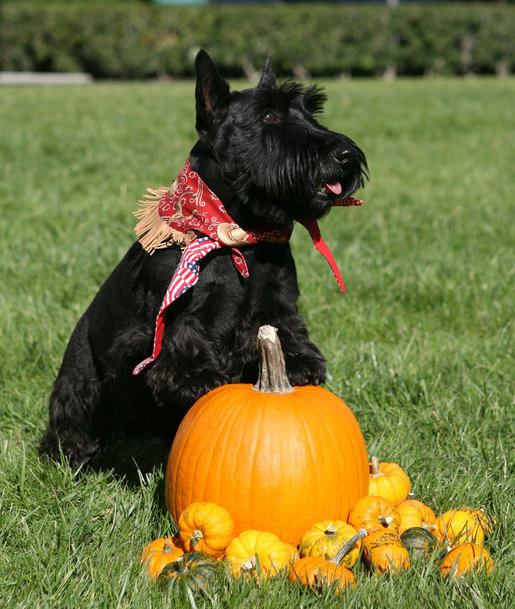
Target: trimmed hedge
x: 145, y: 41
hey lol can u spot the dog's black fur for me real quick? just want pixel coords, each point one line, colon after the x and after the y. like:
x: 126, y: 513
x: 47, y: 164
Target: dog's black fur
x: 264, y: 154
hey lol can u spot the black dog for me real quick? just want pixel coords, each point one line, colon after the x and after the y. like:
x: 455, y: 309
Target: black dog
x: 266, y: 157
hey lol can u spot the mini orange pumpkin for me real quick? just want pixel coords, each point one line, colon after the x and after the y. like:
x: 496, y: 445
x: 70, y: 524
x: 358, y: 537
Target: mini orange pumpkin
x: 278, y: 457
x: 383, y: 551
x: 317, y: 572
x: 414, y: 513
x: 374, y: 514
x: 458, y: 526
x: 388, y: 480
x: 325, y: 538
x: 205, y: 527
x: 160, y: 552
x: 382, y: 538
x: 487, y: 521
x: 466, y: 558
x: 258, y: 552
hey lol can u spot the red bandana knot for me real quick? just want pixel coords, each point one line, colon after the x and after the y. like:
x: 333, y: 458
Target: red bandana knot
x: 189, y: 214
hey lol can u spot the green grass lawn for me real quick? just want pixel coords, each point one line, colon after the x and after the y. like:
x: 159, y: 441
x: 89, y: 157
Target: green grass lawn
x: 420, y: 346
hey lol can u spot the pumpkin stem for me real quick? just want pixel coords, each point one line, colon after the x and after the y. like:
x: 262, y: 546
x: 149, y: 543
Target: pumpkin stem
x: 167, y: 547
x: 272, y: 369
x: 249, y: 565
x: 179, y: 565
x: 375, y: 470
x: 347, y: 546
x: 330, y: 531
x: 385, y: 521
x: 196, y: 537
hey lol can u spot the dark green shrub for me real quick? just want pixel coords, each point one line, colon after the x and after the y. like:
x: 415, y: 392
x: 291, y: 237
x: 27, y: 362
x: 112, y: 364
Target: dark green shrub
x: 138, y: 40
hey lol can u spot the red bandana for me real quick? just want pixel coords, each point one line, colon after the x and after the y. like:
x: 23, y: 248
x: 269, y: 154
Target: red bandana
x: 191, y: 215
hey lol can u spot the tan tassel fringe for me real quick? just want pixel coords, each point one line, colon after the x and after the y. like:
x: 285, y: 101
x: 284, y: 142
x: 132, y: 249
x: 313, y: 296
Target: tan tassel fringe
x: 153, y: 232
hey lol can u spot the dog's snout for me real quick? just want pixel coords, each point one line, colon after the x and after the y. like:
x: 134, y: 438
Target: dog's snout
x: 342, y: 155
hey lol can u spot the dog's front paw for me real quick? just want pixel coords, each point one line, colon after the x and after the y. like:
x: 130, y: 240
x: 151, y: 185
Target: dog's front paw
x: 198, y: 385
x: 184, y: 388
x: 306, y: 370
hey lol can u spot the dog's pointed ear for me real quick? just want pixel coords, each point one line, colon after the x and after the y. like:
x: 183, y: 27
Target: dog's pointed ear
x: 211, y: 92
x: 267, y: 80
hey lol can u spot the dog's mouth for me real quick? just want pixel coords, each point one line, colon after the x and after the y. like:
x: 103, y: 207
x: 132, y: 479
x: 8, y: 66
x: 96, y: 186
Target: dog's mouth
x: 334, y: 190
x: 345, y: 172
x: 329, y: 188
x: 331, y: 191
x: 333, y: 194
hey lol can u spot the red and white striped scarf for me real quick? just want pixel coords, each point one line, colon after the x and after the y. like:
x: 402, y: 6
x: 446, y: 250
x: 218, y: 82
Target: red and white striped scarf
x: 189, y: 214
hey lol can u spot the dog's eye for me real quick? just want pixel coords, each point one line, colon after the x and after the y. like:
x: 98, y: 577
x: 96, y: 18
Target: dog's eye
x: 271, y: 117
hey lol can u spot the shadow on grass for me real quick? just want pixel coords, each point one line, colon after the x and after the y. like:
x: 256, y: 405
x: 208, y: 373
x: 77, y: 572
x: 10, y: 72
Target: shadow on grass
x: 129, y: 457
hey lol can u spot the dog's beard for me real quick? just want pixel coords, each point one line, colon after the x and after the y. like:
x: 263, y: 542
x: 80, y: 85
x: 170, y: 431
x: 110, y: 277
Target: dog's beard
x: 277, y: 197
x: 281, y: 186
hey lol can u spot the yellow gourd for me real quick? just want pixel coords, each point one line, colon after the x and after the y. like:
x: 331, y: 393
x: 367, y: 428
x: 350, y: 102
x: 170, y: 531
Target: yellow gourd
x: 388, y: 480
x: 414, y: 513
x: 325, y: 538
x: 457, y: 527
x: 464, y: 559
x: 259, y: 553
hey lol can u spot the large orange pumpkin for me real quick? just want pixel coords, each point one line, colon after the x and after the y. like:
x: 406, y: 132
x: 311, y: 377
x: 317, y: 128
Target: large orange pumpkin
x: 278, y: 458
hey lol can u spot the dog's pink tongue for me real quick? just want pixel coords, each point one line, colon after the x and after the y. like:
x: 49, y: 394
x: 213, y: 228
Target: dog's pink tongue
x: 335, y: 188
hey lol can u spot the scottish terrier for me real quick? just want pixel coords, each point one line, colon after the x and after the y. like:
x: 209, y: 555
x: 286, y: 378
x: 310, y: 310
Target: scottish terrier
x: 179, y: 314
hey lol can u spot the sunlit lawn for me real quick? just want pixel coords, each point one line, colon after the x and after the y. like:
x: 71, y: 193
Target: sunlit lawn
x: 420, y: 346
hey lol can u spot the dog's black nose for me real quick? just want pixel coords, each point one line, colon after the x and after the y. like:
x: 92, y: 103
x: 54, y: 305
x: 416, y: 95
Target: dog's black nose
x: 342, y: 155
